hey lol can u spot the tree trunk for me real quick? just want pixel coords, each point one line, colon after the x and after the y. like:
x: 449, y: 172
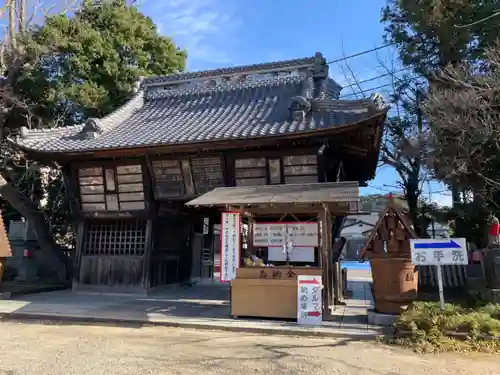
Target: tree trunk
x: 414, y: 212
x: 50, y: 254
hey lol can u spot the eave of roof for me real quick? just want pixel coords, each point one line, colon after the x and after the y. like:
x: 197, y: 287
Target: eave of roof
x: 210, y: 145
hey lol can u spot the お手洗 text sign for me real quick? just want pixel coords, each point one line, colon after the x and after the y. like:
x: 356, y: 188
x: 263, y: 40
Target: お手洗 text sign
x: 309, y: 309
x: 437, y: 252
x: 229, y: 245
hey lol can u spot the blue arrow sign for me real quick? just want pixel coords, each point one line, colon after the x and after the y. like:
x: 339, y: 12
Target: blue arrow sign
x: 437, y: 245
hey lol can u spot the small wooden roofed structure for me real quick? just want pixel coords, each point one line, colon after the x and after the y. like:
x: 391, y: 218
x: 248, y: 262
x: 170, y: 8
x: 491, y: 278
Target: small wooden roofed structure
x: 395, y: 278
x: 392, y: 227
x: 321, y: 200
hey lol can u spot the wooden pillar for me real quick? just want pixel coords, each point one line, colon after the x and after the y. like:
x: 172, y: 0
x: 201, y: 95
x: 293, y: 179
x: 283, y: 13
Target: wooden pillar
x: 325, y: 222
x: 77, y: 256
x: 208, y: 249
x: 251, y: 222
x: 331, y: 289
x: 146, y: 258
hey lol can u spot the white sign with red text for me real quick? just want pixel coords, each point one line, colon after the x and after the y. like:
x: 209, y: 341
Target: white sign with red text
x: 229, y: 246
x: 310, y: 307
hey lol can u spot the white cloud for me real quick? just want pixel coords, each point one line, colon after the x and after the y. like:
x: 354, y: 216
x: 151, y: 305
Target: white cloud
x: 443, y: 199
x: 205, y: 28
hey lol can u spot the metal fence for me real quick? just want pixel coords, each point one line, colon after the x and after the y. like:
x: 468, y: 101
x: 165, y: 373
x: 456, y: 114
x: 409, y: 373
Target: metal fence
x: 453, y: 276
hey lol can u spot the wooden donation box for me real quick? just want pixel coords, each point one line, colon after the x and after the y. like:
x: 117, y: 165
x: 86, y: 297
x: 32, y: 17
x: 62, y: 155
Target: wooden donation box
x: 272, y: 291
x: 267, y: 292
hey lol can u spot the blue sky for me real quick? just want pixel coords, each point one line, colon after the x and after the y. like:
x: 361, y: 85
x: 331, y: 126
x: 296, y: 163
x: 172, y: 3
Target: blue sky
x: 218, y: 33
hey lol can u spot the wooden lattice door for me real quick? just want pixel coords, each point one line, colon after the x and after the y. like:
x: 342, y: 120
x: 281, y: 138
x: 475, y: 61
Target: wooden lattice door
x: 113, y: 253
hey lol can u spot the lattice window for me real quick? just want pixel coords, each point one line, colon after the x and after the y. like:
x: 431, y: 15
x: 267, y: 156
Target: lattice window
x: 208, y: 173
x: 169, y: 181
x: 250, y: 172
x: 274, y: 171
x: 111, y: 189
x: 115, y: 238
x: 91, y: 181
x: 130, y: 187
x: 300, y: 169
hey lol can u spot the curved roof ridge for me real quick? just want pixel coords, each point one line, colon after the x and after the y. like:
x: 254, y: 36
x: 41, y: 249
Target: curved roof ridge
x: 231, y: 70
x: 123, y: 112
x: 108, y: 122
x: 376, y: 102
x: 162, y: 94
x: 27, y: 132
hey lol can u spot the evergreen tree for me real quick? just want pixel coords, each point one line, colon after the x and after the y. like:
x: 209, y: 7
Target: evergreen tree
x: 76, y: 64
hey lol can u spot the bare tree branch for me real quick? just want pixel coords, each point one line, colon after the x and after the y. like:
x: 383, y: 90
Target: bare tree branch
x: 464, y: 109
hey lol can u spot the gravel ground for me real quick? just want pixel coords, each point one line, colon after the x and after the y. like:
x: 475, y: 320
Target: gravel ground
x: 32, y: 348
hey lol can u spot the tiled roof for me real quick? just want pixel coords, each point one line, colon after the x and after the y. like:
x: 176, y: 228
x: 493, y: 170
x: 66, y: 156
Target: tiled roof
x: 235, y: 103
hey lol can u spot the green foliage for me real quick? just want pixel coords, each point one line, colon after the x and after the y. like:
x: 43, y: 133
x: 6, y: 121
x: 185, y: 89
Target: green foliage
x: 431, y: 35
x: 427, y: 34
x: 426, y: 328
x: 86, y: 65
x: 81, y: 66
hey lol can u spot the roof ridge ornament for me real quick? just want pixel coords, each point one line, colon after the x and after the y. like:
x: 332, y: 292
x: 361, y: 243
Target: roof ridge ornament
x: 379, y: 101
x: 320, y: 66
x: 24, y: 131
x: 137, y: 85
x: 92, y: 128
x: 320, y: 75
x: 300, y: 107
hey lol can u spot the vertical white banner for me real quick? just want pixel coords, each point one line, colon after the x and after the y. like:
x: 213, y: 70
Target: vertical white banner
x: 310, y: 304
x: 229, y: 245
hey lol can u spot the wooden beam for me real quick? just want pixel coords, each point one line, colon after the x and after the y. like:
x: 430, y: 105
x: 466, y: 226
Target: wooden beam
x: 355, y: 150
x: 340, y: 208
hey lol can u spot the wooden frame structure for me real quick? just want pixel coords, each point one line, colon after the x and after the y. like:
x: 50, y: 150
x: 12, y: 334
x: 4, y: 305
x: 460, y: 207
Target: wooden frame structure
x: 391, y: 227
x: 321, y: 200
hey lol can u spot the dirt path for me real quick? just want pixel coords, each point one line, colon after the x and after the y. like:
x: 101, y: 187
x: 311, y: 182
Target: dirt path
x: 29, y: 348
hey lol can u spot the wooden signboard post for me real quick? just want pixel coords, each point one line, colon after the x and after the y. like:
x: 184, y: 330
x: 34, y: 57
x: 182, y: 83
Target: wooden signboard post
x: 439, y: 252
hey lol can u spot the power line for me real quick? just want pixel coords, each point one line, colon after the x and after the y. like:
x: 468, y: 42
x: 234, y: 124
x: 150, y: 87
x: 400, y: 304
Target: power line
x: 372, y: 89
x: 361, y: 53
x: 373, y: 78
x: 380, y: 76
x: 367, y: 90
